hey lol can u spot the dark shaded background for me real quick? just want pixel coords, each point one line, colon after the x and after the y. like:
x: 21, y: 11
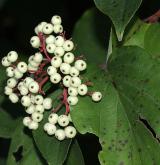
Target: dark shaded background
x: 17, y: 21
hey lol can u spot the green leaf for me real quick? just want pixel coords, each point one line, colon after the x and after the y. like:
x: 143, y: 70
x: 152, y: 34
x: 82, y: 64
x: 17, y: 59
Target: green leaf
x: 130, y: 93
x: 152, y: 44
x: 75, y: 156
x: 119, y: 11
x: 91, y: 35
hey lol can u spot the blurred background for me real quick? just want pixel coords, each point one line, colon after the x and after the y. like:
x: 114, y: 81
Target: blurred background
x: 17, y: 21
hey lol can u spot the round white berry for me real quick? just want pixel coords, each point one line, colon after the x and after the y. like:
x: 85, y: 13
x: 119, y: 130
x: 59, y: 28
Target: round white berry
x: 13, y: 98
x: 96, y: 96
x: 11, y: 82
x: 17, y: 74
x: 51, y: 129
x: 50, y: 48
x: 82, y: 89
x: 8, y: 90
x: 53, y: 118
x: 68, y: 58
x: 5, y: 62
x: 26, y: 121
x: 72, y: 100
x: 48, y: 28
x: 80, y: 65
x: 58, y: 29
x: 30, y: 109
x: 22, y: 67
x: 32, y: 99
x: 70, y: 132
x: 75, y: 81
x: 26, y: 101
x: 56, y: 62
x: 63, y: 120
x: 37, y: 117
x: 55, y: 78
x: 74, y: 71
x: 40, y: 27
x: 33, y: 125
x: 34, y: 87
x: 35, y: 42
x: 65, y: 68
x: 59, y: 51
x: 10, y: 71
x: 20, y: 84
x: 50, y: 39
x: 12, y: 56
x: 32, y: 68
x: 60, y: 134
x: 46, y: 125
x: 56, y: 20
x: 39, y: 108
x: 68, y: 45
x: 51, y: 70
x: 39, y: 99
x: 59, y: 41
x: 38, y: 57
x: 27, y: 81
x: 33, y: 63
x: 66, y: 81
x: 47, y: 103
x: 72, y: 91
x: 23, y: 90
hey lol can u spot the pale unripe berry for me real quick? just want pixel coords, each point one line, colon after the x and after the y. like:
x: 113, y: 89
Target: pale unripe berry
x: 72, y: 100
x: 11, y: 82
x: 65, y: 68
x: 68, y: 58
x: 50, y: 48
x: 55, y: 78
x: 20, y: 84
x: 70, y: 132
x: 59, y: 41
x: 74, y: 71
x: 33, y: 125
x: 66, y: 81
x: 63, y: 120
x: 82, y: 89
x: 38, y: 57
x: 51, y: 129
x: 56, y: 62
x: 47, y: 103
x: 53, y: 118
x: 33, y: 63
x: 26, y: 101
x: 17, y: 74
x: 10, y: 71
x: 26, y: 121
x: 27, y: 81
x: 59, y: 51
x: 51, y: 70
x: 30, y: 109
x: 39, y: 108
x: 35, y: 42
x: 36, y: 30
x: 22, y: 67
x: 75, y: 81
x: 48, y: 28
x: 46, y: 125
x: 12, y: 56
x: 56, y: 20
x: 37, y: 117
x: 60, y: 134
x: 34, y: 87
x: 40, y: 27
x: 72, y: 91
x: 23, y: 90
x: 58, y: 29
x: 32, y: 68
x: 68, y: 45
x: 80, y: 65
x: 8, y: 90
x: 32, y: 99
x: 96, y: 96
x: 39, y: 99
x: 13, y: 98
x: 50, y: 39
x: 5, y: 62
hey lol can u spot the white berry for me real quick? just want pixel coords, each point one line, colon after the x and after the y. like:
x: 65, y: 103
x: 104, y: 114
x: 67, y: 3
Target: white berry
x: 23, y: 90
x: 72, y: 91
x: 17, y: 74
x: 8, y: 90
x: 30, y: 109
x: 96, y: 96
x: 39, y: 99
x: 80, y: 65
x: 59, y: 41
x: 75, y: 81
x: 13, y: 98
x: 48, y: 28
x: 22, y: 67
x: 47, y: 103
x: 53, y: 118
x: 5, y: 62
x: 12, y: 56
x: 51, y: 129
x: 60, y: 134
x: 39, y: 108
x: 68, y: 45
x: 34, y: 87
x: 82, y: 89
x: 27, y: 81
x: 56, y: 20
x: 74, y: 71
x: 65, y: 68
x: 68, y: 58
x: 56, y: 62
x: 59, y: 51
x: 26, y: 101
x: 35, y: 42
x: 63, y: 120
x: 40, y: 27
x: 38, y: 57
x: 10, y: 71
x: 11, y: 82
x: 70, y: 132
x: 55, y: 78
x: 51, y: 70
x: 50, y: 39
x: 37, y: 117
x: 72, y: 100
x: 58, y: 29
x: 66, y: 81
x: 50, y: 48
x: 33, y: 125
x: 26, y: 121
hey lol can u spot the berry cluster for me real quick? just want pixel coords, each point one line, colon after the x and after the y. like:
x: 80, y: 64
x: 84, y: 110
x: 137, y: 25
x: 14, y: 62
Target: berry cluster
x: 55, y: 62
